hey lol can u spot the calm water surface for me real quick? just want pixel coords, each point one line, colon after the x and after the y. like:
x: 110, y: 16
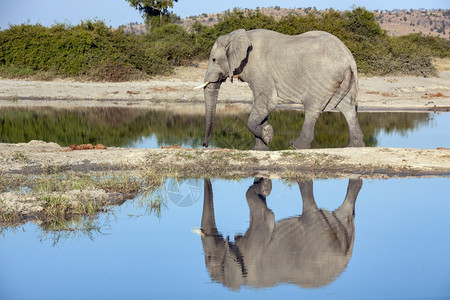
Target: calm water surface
x: 400, y: 249
x: 152, y: 129
x: 395, y: 246
x: 427, y: 131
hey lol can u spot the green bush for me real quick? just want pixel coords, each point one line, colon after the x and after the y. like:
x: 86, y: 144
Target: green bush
x: 94, y: 51
x: 61, y: 49
x: 172, y: 45
x: 90, y: 49
x: 16, y: 72
x: 375, y: 52
x: 431, y: 45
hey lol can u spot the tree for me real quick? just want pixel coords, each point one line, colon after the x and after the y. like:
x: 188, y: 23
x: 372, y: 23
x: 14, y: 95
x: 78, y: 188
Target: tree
x: 151, y: 8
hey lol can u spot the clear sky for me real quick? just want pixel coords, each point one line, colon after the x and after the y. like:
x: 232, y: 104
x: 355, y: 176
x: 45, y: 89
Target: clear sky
x: 118, y: 12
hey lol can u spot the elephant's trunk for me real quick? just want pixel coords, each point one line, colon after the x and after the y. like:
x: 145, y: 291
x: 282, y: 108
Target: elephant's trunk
x: 211, y: 92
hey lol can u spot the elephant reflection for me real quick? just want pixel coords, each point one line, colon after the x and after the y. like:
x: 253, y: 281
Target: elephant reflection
x: 310, y: 250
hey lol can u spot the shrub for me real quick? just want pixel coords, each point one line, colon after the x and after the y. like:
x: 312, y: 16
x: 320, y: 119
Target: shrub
x: 16, y: 72
x: 432, y: 45
x: 94, y: 51
x: 64, y: 50
x: 171, y: 44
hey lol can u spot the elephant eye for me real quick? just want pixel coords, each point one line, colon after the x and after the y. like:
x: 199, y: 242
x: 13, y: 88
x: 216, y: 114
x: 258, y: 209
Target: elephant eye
x: 214, y: 60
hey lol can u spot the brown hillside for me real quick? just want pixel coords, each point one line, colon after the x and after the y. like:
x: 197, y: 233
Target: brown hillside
x: 427, y: 22
x: 396, y: 22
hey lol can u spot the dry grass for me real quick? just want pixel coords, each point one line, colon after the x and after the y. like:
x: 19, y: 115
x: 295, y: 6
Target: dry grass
x: 189, y: 73
x: 442, y: 64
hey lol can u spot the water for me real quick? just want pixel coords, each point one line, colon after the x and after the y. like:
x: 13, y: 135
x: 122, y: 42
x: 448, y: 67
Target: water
x: 397, y: 247
x: 400, y: 249
x: 128, y: 127
x: 433, y: 135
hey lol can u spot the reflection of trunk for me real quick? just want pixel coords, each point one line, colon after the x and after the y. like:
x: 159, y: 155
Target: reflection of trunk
x: 208, y: 220
x: 224, y: 264
x: 211, y: 93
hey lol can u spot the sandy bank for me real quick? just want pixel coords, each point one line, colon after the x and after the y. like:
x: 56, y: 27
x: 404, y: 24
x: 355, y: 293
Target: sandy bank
x: 38, y: 157
x: 375, y: 93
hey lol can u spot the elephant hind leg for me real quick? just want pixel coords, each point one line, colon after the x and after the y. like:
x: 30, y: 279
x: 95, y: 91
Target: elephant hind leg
x: 355, y: 132
x: 348, y: 107
x: 347, y: 209
x: 344, y: 99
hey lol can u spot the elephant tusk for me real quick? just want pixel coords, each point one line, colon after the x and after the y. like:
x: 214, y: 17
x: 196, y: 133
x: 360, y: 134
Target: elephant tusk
x: 201, y: 86
x: 198, y: 231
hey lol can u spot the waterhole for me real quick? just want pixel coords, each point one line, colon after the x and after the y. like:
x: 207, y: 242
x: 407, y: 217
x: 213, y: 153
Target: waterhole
x: 246, y: 238
x: 140, y: 128
x: 252, y: 238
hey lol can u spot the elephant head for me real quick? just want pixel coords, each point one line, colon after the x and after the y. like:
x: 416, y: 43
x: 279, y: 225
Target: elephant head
x: 227, y: 58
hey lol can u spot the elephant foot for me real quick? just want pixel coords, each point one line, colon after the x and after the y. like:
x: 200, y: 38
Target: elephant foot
x: 266, y: 186
x: 260, y: 146
x: 297, y: 144
x: 356, y: 143
x: 355, y: 184
x: 263, y: 185
x: 267, y: 134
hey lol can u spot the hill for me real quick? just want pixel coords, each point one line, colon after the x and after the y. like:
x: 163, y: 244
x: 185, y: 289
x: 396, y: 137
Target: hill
x: 396, y: 22
x: 427, y: 22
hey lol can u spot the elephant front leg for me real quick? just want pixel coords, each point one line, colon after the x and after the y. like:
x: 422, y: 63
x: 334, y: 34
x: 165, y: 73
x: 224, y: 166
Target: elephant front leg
x: 307, y: 133
x: 263, y: 134
x: 260, y: 145
x: 261, y: 129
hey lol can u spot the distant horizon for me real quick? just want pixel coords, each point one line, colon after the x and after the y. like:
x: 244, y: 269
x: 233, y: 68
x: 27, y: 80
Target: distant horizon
x: 141, y: 21
x: 118, y: 12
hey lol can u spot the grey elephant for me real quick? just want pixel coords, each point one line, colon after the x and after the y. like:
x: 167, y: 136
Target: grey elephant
x: 310, y: 250
x: 314, y: 68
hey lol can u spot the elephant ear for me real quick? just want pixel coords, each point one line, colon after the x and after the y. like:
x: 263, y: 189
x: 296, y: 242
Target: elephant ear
x: 237, y: 45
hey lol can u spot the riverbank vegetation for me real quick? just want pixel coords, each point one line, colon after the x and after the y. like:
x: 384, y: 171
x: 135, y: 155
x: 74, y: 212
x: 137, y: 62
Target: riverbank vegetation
x: 93, y: 51
x: 70, y: 204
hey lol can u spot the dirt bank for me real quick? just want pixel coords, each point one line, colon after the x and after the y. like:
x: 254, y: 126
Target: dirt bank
x: 38, y: 157
x: 376, y: 93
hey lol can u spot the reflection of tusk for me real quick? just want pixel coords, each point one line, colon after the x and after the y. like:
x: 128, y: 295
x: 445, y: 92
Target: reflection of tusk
x: 201, y: 86
x: 198, y: 231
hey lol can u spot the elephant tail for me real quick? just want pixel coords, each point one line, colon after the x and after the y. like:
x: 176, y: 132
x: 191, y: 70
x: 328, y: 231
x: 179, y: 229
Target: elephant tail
x: 354, y: 86
x: 345, y: 89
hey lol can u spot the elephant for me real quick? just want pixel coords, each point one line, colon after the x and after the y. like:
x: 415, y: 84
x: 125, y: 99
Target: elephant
x: 314, y: 68
x: 309, y: 250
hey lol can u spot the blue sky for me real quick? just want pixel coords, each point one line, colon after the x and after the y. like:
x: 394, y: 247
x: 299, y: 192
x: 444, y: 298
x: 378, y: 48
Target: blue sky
x: 118, y: 12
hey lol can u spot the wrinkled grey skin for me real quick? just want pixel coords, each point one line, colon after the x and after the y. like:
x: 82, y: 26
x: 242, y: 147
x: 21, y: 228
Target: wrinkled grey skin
x: 310, y: 250
x: 314, y: 68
